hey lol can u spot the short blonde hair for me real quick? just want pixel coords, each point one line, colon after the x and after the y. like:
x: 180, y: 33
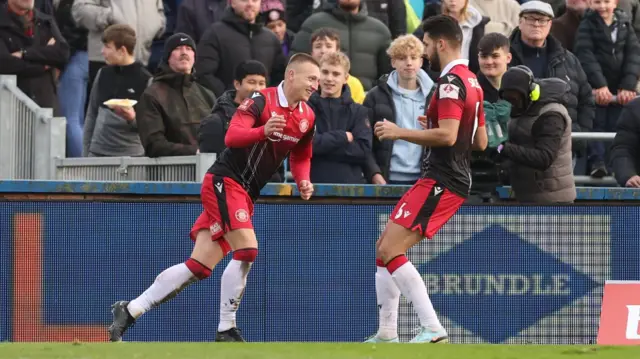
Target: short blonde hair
x: 337, y: 59
x: 405, y: 45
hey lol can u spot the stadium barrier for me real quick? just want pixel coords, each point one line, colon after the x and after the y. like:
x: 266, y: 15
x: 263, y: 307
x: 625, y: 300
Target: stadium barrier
x: 500, y: 273
x: 165, y: 169
x: 30, y: 137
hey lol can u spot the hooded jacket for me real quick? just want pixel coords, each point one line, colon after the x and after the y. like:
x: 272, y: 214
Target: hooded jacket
x: 539, y: 147
x: 214, y: 127
x: 231, y: 41
x: 335, y: 159
x: 380, y: 103
x: 363, y: 38
x: 169, y: 114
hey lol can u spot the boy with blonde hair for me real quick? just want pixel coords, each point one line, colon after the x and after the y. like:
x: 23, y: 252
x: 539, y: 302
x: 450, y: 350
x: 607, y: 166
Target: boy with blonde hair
x: 400, y: 97
x: 342, y: 143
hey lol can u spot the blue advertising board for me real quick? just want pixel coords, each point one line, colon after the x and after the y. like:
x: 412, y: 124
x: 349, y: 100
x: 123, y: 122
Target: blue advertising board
x: 496, y: 274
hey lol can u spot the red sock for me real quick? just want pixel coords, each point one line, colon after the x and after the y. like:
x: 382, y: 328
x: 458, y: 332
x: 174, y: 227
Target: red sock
x: 396, y: 263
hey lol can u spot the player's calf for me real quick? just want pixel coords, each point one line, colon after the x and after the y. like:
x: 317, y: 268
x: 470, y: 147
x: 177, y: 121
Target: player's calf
x: 167, y: 285
x: 234, y: 281
x: 388, y: 298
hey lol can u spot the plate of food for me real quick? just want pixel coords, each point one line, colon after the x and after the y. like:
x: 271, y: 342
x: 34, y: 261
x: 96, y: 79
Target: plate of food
x: 120, y: 102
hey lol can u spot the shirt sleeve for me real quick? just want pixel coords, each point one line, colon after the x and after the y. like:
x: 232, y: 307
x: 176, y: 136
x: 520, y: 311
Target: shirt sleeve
x: 451, y: 96
x: 241, y: 132
x: 480, y: 114
x: 300, y: 158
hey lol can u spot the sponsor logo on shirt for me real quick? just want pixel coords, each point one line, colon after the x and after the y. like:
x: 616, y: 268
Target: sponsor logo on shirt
x: 279, y: 136
x: 215, y: 228
x: 244, y: 106
x: 449, y: 91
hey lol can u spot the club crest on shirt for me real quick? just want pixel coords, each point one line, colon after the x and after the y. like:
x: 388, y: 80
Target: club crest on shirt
x: 244, y: 106
x: 304, y: 125
x: 242, y: 215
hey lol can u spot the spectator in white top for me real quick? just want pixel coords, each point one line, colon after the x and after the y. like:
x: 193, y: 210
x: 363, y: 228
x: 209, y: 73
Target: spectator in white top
x: 504, y: 14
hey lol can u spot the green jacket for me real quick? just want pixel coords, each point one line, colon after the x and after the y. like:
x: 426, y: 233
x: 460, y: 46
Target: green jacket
x: 363, y: 38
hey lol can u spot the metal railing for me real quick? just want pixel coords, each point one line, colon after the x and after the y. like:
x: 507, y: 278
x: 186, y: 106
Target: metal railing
x: 29, y: 135
x: 594, y: 136
x: 164, y: 169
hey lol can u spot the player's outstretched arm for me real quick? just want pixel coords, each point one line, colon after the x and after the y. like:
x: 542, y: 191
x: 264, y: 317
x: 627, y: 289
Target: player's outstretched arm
x: 241, y: 132
x: 445, y: 135
x: 300, y: 161
x: 480, y: 140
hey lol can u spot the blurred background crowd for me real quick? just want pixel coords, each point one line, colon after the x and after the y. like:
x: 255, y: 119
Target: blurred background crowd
x: 188, y: 64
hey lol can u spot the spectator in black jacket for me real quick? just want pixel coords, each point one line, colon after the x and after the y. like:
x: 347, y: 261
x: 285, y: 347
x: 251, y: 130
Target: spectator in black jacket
x: 72, y: 88
x: 493, y: 58
x: 609, y: 52
x: 250, y: 76
x: 234, y: 39
x: 32, y: 47
x: 392, y: 13
x: 531, y: 45
x: 112, y: 130
x: 297, y: 11
x: 342, y: 142
x: 539, y: 145
x: 625, y: 151
x: 196, y: 16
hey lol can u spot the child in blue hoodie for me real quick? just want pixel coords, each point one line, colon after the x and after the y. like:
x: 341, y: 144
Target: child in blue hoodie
x: 400, y: 97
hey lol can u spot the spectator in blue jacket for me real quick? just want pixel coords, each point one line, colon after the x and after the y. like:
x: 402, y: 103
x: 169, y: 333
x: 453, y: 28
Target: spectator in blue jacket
x: 342, y: 142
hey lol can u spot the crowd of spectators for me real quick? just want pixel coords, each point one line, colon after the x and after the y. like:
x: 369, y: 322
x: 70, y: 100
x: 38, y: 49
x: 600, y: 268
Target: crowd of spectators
x: 185, y: 65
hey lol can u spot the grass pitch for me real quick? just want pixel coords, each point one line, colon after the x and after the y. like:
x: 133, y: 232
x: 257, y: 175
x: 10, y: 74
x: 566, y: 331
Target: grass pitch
x: 309, y: 351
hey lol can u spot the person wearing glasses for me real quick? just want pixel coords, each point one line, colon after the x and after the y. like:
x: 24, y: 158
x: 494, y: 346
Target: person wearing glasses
x: 532, y: 46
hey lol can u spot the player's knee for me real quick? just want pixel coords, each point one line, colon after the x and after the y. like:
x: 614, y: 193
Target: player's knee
x: 198, y: 269
x: 386, y: 252
x: 246, y: 254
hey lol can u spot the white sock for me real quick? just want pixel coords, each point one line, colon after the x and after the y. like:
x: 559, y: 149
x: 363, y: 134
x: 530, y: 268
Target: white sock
x: 234, y: 280
x: 166, y: 286
x: 413, y: 288
x: 388, y: 296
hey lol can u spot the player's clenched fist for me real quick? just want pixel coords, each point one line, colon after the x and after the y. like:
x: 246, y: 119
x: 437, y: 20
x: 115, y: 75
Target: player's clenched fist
x: 422, y: 120
x: 306, y: 189
x: 386, y: 130
x: 274, y: 124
